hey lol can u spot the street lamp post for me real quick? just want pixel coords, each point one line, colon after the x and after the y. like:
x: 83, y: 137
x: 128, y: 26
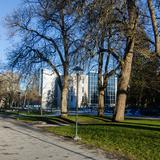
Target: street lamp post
x: 41, y: 90
x: 78, y: 71
x: 19, y: 93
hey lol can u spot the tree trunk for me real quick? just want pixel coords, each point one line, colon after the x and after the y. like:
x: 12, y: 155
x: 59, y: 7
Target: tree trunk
x: 126, y: 68
x: 101, y: 103
x: 64, y: 95
x: 100, y: 85
x: 155, y: 27
x: 122, y: 88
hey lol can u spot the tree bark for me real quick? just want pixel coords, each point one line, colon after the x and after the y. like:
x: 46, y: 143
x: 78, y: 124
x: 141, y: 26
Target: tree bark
x: 155, y: 27
x: 102, y: 79
x: 101, y: 103
x: 127, y: 65
x: 100, y: 85
x: 122, y: 88
x: 64, y: 95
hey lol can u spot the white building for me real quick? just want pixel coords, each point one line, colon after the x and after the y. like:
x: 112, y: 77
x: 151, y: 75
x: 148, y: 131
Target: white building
x: 47, y: 88
x: 72, y: 90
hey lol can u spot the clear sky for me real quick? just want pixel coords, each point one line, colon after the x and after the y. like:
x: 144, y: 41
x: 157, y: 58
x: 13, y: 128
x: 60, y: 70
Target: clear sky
x: 6, y: 7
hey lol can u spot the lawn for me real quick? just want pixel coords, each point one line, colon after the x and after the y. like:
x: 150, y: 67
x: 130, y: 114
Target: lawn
x: 134, y: 138
x: 88, y: 119
x: 137, y: 139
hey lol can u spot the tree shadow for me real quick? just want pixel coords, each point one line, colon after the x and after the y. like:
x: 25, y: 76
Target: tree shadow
x: 122, y: 125
x: 142, y: 124
x: 107, y: 119
x: 109, y: 122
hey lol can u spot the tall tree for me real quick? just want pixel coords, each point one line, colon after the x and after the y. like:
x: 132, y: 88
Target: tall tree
x: 155, y: 27
x: 127, y: 62
x: 101, y: 24
x: 49, y: 34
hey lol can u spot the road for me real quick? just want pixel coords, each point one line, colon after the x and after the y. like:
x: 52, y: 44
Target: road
x: 22, y: 142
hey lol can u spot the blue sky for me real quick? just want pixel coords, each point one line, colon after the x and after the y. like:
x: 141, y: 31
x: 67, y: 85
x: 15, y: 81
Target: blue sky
x: 6, y: 7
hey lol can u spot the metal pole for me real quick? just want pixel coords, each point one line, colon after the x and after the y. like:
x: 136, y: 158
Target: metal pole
x: 77, y: 106
x: 76, y: 134
x: 41, y: 90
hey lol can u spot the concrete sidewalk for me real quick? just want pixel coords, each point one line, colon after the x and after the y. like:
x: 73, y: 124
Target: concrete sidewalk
x: 19, y: 142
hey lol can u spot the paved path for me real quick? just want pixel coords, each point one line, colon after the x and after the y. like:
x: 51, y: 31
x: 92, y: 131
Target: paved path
x: 19, y: 142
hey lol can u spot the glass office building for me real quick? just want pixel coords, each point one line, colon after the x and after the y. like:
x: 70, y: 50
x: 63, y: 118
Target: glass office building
x: 93, y: 88
x: 110, y: 92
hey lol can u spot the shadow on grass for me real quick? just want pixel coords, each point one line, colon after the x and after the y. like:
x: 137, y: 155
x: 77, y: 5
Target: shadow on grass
x: 142, y: 124
x: 131, y: 125
x: 122, y: 125
x: 103, y: 119
x: 107, y: 119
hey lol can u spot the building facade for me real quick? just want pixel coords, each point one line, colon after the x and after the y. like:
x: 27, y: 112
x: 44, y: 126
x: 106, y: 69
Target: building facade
x: 87, y: 90
x: 72, y: 90
x: 48, y: 89
x: 110, y: 92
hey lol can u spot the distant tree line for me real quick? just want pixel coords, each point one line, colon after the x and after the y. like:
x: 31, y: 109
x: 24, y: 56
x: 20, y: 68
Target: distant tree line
x: 13, y: 97
x: 9, y: 90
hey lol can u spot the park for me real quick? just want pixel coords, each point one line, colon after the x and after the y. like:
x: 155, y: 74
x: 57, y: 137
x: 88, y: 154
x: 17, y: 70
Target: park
x: 80, y: 80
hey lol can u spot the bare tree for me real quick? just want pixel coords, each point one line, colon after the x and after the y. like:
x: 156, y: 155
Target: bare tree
x: 127, y: 62
x: 102, y: 28
x: 9, y: 84
x: 115, y: 26
x: 30, y: 92
x: 49, y: 36
x: 155, y: 27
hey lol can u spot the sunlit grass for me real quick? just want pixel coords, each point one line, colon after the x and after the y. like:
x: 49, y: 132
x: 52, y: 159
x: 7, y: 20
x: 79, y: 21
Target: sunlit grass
x: 135, y: 139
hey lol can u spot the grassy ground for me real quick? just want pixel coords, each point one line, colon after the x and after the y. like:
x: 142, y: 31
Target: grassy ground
x: 88, y: 119
x: 137, y: 139
x: 134, y: 139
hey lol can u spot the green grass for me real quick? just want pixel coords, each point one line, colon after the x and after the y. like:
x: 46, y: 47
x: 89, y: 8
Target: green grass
x: 134, y: 139
x: 48, y: 119
x: 88, y: 119
x: 143, y: 121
